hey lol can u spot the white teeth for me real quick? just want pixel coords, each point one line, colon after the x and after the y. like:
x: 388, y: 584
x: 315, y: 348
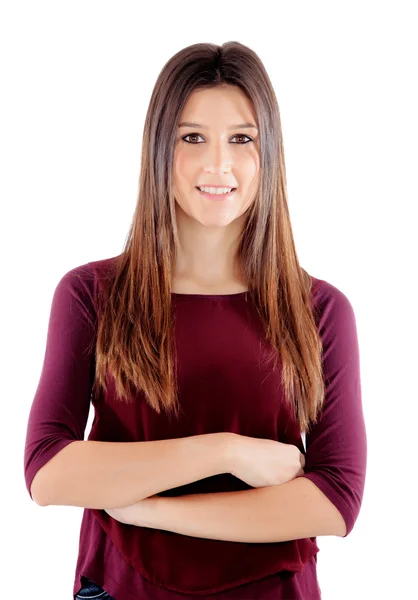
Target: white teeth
x: 212, y: 190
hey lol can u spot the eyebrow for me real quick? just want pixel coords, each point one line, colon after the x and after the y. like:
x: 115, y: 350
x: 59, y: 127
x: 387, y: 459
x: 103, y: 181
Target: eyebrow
x: 239, y: 126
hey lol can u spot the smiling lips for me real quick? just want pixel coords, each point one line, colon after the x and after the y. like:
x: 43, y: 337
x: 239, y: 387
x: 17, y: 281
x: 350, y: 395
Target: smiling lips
x: 217, y: 196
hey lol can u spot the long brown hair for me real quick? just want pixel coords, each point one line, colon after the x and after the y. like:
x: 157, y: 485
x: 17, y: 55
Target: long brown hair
x: 135, y: 329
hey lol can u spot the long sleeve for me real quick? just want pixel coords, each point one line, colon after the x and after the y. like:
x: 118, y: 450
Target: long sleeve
x: 336, y: 446
x: 60, y: 408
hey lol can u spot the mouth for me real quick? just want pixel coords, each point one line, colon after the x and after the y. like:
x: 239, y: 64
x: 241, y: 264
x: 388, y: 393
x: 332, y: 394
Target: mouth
x: 217, y: 196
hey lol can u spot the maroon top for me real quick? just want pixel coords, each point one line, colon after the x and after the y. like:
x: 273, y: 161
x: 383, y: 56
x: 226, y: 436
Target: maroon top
x: 222, y: 388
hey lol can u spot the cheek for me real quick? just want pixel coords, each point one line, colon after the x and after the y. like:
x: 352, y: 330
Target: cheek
x: 248, y: 167
x: 253, y: 162
x: 183, y: 167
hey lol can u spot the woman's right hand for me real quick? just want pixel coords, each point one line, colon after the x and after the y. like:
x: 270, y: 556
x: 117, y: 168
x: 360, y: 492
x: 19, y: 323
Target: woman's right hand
x: 262, y: 462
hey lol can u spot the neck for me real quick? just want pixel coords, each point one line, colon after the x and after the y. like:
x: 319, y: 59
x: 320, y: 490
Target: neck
x: 207, y: 254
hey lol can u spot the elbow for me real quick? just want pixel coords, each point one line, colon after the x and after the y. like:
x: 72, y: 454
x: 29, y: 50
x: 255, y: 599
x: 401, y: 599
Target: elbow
x: 45, y: 486
x: 37, y: 489
x: 35, y: 494
x: 347, y: 525
x: 337, y: 524
x: 38, y: 502
x: 342, y: 508
x: 341, y: 527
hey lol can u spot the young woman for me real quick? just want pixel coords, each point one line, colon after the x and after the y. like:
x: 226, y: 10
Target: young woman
x: 228, y: 429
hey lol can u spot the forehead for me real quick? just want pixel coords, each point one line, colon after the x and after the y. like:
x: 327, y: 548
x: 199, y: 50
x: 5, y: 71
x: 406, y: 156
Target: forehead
x: 222, y: 106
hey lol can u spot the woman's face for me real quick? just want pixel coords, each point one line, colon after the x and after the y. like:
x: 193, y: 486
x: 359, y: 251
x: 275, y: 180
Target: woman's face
x: 216, y: 152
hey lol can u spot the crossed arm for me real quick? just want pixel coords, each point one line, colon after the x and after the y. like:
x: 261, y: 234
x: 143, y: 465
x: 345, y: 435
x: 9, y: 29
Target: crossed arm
x: 293, y: 510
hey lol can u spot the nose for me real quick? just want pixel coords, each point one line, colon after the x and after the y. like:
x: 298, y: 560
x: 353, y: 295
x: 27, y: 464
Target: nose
x: 217, y: 158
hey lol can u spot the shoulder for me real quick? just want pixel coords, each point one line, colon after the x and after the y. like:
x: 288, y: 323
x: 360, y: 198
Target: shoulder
x: 325, y: 294
x: 88, y: 276
x: 78, y: 288
x: 92, y: 270
x: 331, y: 305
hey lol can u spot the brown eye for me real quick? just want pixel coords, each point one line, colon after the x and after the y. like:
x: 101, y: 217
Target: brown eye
x: 190, y: 135
x: 238, y: 135
x: 241, y: 135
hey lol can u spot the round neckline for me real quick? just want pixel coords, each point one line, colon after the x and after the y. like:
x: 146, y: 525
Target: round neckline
x: 183, y: 295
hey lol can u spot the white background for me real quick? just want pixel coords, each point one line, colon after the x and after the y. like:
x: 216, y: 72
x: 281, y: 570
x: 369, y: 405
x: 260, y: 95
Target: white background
x: 76, y: 79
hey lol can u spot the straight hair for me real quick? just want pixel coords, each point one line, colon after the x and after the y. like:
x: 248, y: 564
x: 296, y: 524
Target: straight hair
x: 135, y: 342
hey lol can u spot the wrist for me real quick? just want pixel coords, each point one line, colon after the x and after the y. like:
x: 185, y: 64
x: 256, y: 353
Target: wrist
x: 147, y: 511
